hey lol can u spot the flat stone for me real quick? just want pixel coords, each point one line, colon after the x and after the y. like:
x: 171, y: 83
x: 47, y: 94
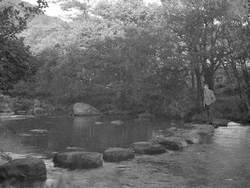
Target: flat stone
x: 118, y: 154
x: 148, y: 148
x: 28, y: 168
x: 172, y: 143
x: 78, y: 160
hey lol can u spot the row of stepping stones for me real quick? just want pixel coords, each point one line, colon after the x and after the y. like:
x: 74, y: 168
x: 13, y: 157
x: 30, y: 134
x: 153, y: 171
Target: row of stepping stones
x: 159, y: 145
x: 30, y: 168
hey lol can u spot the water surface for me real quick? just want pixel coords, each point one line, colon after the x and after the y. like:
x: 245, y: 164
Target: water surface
x: 222, y: 162
x: 68, y: 133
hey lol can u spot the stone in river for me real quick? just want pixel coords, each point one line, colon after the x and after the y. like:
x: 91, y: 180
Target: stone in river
x: 118, y: 154
x: 172, y: 143
x: 78, y: 160
x: 148, y: 148
x: 24, y: 169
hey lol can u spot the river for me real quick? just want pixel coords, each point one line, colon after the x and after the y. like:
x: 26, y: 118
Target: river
x: 222, y: 161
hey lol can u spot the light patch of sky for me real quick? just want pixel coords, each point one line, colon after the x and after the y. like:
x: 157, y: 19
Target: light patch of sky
x: 55, y: 10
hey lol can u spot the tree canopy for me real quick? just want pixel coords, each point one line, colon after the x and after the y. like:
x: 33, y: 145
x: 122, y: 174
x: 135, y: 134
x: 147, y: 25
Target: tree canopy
x: 153, y: 58
x: 15, y: 56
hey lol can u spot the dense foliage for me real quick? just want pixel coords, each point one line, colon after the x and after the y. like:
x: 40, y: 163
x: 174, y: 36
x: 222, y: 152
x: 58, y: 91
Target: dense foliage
x: 126, y: 55
x: 14, y: 55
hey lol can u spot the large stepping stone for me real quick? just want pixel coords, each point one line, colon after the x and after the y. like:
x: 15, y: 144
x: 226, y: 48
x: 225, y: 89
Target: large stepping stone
x: 28, y: 169
x: 148, y: 148
x: 172, y: 143
x: 118, y: 154
x: 78, y: 160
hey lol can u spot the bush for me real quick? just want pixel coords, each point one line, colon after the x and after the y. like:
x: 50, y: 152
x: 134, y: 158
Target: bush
x: 22, y: 104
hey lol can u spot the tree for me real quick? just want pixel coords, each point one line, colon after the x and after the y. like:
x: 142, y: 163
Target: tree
x: 14, y: 55
x: 201, y: 27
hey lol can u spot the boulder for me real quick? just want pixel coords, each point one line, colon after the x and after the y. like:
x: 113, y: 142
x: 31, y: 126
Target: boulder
x: 148, y: 148
x: 82, y: 109
x: 172, y: 143
x: 220, y: 122
x: 78, y: 160
x: 118, y: 154
x: 28, y: 169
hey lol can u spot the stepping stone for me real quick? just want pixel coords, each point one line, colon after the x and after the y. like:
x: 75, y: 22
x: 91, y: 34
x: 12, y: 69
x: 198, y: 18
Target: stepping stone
x: 148, y: 148
x: 78, y: 160
x: 24, y: 169
x: 172, y: 143
x: 118, y: 154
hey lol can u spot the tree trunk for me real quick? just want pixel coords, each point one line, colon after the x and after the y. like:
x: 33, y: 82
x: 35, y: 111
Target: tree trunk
x: 199, y: 92
x: 246, y: 78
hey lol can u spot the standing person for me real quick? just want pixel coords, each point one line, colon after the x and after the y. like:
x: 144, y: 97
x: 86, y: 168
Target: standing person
x: 209, y: 99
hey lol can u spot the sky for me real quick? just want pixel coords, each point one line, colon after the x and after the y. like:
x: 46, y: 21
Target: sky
x: 55, y: 10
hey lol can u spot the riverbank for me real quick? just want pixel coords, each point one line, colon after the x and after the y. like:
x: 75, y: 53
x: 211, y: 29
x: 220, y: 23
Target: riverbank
x: 228, y: 107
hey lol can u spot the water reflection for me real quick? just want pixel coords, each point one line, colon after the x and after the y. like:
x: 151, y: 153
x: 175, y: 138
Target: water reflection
x: 94, y: 137
x: 79, y: 132
x: 37, y: 140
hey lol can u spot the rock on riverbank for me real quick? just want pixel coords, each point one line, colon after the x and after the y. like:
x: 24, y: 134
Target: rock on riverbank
x: 82, y: 109
x: 28, y: 168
